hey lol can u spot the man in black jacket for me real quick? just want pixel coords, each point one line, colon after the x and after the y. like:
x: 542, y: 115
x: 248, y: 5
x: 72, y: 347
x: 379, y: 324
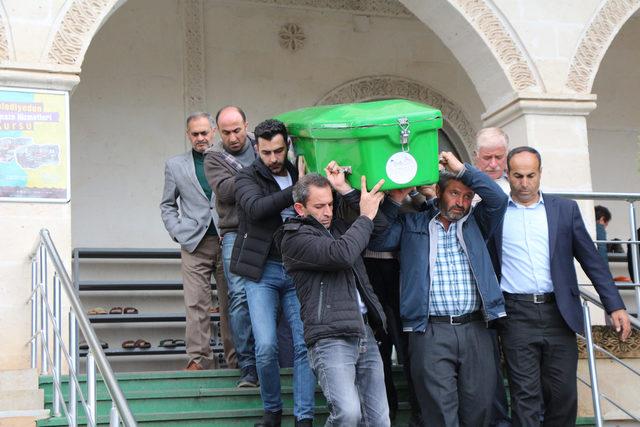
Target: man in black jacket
x: 263, y: 196
x: 323, y: 256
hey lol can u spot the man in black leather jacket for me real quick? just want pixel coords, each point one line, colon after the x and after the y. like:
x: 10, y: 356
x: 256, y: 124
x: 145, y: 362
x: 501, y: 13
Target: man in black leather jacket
x: 338, y: 305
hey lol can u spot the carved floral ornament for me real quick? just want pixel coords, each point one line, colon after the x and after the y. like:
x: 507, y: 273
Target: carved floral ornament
x: 77, y: 29
x: 291, y: 37
x: 607, y: 338
x: 596, y: 40
x: 501, y: 41
x: 377, y: 87
x: 4, y: 43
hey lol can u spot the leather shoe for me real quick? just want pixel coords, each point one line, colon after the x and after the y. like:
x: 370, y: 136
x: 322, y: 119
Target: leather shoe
x: 194, y: 366
x: 270, y: 419
x: 249, y: 377
x: 305, y: 422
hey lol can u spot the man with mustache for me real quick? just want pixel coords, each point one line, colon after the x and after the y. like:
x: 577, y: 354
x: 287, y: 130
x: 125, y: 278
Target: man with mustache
x: 449, y: 293
x: 264, y: 198
x: 222, y: 162
x: 533, y: 253
x: 321, y: 249
x: 193, y: 223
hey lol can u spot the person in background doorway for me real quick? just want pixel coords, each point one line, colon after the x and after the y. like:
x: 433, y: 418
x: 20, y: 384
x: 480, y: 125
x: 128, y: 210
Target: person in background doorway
x: 603, y: 216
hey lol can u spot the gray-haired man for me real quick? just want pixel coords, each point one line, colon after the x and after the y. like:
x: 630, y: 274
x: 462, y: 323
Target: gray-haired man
x: 192, y: 224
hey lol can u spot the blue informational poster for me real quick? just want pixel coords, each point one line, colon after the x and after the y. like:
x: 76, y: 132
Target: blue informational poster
x: 34, y: 145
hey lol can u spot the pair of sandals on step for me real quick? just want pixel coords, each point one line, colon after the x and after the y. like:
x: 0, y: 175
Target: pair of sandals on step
x: 114, y: 310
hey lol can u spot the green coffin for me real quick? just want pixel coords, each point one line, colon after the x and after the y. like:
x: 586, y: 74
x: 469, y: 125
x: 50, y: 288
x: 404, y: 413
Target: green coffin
x: 395, y: 140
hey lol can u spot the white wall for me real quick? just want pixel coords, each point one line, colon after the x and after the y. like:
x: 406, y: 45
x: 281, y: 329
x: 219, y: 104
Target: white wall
x: 614, y: 127
x: 127, y: 112
x: 126, y: 118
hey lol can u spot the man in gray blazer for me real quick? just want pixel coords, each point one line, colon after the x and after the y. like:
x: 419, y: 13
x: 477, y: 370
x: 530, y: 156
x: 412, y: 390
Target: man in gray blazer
x: 192, y: 223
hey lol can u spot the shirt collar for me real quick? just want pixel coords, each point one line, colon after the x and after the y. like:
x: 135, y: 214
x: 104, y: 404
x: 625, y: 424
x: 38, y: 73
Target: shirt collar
x: 515, y: 204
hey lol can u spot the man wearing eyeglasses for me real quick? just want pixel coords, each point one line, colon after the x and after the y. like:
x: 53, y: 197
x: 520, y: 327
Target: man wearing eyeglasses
x: 192, y: 223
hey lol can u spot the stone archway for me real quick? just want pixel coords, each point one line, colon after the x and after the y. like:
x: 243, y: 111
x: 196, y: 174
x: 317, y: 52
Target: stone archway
x: 603, y: 28
x: 474, y: 30
x: 458, y: 128
x: 6, y: 48
x: 76, y: 28
x: 484, y: 43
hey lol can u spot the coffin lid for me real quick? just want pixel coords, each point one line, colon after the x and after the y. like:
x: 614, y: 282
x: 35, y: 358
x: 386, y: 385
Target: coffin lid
x: 359, y: 115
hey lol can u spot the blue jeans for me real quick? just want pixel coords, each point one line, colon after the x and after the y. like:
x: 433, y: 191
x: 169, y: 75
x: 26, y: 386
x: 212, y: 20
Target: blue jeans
x: 351, y: 375
x: 238, y: 308
x: 276, y: 289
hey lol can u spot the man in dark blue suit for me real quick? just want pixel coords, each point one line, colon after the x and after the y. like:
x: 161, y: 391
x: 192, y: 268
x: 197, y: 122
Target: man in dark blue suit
x: 533, y: 257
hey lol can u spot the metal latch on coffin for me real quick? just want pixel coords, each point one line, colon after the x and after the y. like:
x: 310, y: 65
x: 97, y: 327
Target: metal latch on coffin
x: 404, y: 133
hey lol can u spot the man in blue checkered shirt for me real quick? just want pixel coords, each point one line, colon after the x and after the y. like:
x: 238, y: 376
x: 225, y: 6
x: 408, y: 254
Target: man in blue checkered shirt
x: 449, y: 292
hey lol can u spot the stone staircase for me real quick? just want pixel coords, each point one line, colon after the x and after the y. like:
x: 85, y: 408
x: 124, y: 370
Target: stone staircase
x: 199, y: 398
x: 21, y: 401
x: 205, y: 398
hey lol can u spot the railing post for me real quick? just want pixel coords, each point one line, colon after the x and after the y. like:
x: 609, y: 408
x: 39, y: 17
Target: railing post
x: 595, y: 391
x: 34, y: 313
x: 57, y: 324
x: 44, y: 322
x: 114, y: 416
x: 73, y: 355
x: 634, y: 253
x: 91, y: 388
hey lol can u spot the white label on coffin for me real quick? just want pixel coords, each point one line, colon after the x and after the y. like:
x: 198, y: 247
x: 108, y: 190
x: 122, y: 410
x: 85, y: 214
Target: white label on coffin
x: 402, y: 168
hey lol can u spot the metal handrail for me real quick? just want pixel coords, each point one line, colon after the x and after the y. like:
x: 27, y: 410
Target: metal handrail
x: 588, y: 298
x: 630, y: 198
x: 120, y: 411
x: 596, y: 195
x: 596, y: 301
x: 591, y: 347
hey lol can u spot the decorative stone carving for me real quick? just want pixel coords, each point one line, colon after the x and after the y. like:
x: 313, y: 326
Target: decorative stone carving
x: 501, y: 41
x: 76, y: 30
x: 4, y: 42
x: 380, y: 87
x: 607, y: 338
x: 292, y: 37
x: 604, y: 26
x: 194, y: 57
x: 366, y: 7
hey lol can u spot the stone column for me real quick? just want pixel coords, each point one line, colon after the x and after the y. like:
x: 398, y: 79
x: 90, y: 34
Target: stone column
x: 556, y: 126
x: 20, y: 224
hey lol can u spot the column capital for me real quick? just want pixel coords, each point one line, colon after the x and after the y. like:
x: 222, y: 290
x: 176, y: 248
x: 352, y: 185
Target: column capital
x: 546, y: 104
x: 37, y: 76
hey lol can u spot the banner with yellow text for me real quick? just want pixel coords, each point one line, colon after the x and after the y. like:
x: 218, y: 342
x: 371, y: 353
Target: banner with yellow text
x: 34, y: 145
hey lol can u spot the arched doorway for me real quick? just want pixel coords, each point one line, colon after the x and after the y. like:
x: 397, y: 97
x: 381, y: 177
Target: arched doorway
x: 614, y: 127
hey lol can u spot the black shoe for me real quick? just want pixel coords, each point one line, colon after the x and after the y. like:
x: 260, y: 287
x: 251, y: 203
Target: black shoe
x: 249, y: 377
x: 270, y: 419
x: 416, y: 420
x: 306, y: 422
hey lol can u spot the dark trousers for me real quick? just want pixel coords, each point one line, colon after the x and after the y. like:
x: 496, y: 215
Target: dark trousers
x: 454, y: 373
x: 542, y: 358
x: 384, y: 275
x: 500, y: 407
